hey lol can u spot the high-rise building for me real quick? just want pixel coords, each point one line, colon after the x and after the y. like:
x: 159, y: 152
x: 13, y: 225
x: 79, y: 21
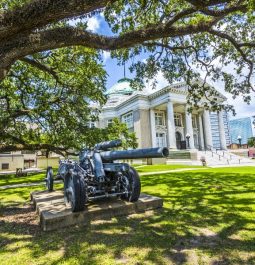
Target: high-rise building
x: 242, y: 128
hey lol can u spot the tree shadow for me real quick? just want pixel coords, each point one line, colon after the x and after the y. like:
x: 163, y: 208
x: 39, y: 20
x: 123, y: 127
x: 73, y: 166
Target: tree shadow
x: 208, y: 213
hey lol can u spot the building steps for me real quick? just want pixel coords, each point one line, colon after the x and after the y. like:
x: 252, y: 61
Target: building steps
x: 223, y: 157
x: 179, y: 155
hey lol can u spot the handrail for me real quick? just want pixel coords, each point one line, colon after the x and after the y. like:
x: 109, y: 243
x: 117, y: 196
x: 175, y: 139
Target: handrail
x: 224, y: 156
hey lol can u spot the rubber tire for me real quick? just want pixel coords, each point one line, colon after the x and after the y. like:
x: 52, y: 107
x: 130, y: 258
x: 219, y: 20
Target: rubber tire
x: 79, y: 192
x: 49, y: 178
x: 136, y: 186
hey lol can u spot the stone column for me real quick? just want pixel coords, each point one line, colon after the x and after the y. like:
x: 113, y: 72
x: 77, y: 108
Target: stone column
x: 207, y: 130
x: 201, y: 132
x: 153, y: 128
x: 189, y: 128
x: 171, y: 125
x: 222, y: 131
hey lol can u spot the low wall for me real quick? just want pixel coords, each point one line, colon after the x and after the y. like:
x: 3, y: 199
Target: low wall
x: 193, y: 155
x: 240, y: 152
x: 14, y: 161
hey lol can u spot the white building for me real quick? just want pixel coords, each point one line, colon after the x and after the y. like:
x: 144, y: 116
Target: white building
x: 161, y: 118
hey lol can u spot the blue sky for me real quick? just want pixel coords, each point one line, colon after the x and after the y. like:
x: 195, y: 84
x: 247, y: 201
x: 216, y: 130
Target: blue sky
x: 115, y: 72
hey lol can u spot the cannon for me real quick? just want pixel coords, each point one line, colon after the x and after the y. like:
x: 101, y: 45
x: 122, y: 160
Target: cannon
x: 96, y: 175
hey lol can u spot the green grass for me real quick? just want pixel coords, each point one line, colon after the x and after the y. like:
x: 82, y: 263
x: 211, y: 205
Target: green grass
x: 12, y: 179
x: 158, y: 168
x: 208, y: 218
x: 31, y: 178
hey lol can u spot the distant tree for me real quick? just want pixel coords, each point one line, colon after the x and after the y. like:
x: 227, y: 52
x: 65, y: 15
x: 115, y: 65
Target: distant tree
x: 251, y: 142
x: 48, y: 106
x: 119, y: 130
x: 115, y: 130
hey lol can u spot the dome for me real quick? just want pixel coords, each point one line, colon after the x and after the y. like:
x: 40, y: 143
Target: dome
x: 122, y: 87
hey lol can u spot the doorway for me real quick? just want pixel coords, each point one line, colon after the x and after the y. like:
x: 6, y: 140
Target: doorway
x: 178, y: 138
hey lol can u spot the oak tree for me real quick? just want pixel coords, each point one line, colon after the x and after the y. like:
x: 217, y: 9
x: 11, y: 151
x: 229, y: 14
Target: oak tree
x: 49, y: 67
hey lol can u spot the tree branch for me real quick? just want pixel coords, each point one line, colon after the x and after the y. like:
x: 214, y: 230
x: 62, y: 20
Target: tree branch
x: 70, y: 36
x: 239, y: 49
x: 40, y: 66
x: 26, y: 43
x: 39, y: 13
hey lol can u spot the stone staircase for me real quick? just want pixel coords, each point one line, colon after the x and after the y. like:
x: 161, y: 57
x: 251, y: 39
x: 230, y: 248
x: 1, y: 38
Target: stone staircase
x: 223, y: 157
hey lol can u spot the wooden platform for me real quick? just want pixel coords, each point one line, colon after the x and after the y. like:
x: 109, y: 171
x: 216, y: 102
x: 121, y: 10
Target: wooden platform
x: 55, y: 214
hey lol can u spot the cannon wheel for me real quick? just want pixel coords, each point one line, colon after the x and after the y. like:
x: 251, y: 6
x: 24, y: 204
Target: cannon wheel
x: 75, y: 191
x: 49, y: 179
x: 133, y: 185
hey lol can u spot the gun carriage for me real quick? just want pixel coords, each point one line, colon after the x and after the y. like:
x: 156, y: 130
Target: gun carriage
x: 97, y: 176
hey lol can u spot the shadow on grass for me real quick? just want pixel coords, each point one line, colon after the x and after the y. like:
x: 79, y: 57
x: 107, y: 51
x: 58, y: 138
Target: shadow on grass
x: 12, y: 179
x: 207, y: 218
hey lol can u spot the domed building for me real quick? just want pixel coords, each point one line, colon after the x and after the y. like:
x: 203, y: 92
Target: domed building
x: 122, y: 87
x: 160, y: 118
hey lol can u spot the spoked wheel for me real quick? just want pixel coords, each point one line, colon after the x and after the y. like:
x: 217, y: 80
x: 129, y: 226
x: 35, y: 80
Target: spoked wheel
x: 75, y: 191
x: 49, y: 179
x: 132, y: 185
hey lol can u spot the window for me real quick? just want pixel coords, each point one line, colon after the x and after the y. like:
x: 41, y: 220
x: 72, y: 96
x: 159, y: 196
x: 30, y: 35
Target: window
x: 5, y: 165
x: 160, y: 139
x: 91, y: 124
x: 159, y: 118
x: 128, y: 119
x: 109, y: 122
x: 178, y: 119
x: 194, y: 122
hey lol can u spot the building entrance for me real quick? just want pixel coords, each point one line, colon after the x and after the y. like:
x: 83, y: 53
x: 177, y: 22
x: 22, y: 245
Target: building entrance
x: 178, y: 137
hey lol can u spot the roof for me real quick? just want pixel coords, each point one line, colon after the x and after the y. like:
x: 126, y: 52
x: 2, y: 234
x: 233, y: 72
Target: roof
x: 122, y: 87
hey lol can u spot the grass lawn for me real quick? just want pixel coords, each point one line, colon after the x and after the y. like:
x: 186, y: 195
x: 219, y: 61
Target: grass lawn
x: 31, y: 178
x: 157, y: 168
x: 208, y: 218
x: 12, y: 179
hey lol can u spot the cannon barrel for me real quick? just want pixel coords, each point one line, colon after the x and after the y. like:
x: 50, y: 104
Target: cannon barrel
x: 109, y: 156
x: 109, y: 144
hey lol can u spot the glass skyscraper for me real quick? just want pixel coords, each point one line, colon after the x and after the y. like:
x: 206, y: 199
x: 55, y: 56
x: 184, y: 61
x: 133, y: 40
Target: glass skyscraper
x: 242, y: 127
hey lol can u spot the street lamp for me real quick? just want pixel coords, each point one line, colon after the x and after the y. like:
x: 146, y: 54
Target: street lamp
x: 239, y: 138
x: 188, y: 137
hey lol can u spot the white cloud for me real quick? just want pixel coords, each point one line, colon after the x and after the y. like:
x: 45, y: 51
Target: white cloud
x: 161, y: 82
x: 93, y: 24
x: 242, y: 108
x: 106, y: 56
